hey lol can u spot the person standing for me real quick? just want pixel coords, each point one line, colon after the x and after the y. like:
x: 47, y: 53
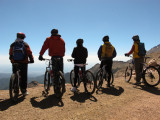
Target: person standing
x: 106, y: 53
x: 138, y: 59
x: 56, y: 46
x: 80, y: 55
x: 19, y: 52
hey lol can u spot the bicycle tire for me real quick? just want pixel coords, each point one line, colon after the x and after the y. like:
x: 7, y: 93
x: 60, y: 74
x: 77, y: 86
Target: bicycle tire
x: 90, y: 82
x: 151, y: 76
x: 58, y: 86
x: 72, y: 75
x: 128, y: 74
x: 111, y: 80
x: 47, y: 77
x: 14, y: 87
x: 99, y: 79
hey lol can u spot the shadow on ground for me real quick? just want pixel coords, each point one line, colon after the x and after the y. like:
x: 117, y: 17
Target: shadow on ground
x: 7, y: 103
x: 47, y: 102
x: 116, y: 91
x: 82, y: 97
x: 153, y: 90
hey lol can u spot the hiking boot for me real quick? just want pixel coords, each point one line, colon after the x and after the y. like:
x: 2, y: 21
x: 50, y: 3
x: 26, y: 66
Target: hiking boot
x: 73, y: 89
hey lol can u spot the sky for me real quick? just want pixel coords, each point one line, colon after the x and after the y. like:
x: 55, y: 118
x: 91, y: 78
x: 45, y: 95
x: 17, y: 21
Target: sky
x: 90, y: 20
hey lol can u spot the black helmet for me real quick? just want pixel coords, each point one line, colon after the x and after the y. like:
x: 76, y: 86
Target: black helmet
x: 105, y: 38
x: 79, y: 41
x: 135, y: 38
x: 21, y: 35
x: 54, y: 31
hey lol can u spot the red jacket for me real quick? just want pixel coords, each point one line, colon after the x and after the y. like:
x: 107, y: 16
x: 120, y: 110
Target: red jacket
x: 28, y: 54
x: 56, y: 46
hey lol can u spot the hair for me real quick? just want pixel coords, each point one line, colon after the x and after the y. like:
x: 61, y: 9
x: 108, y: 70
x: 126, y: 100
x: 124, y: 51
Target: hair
x: 79, y: 42
x: 54, y: 31
x: 106, y: 38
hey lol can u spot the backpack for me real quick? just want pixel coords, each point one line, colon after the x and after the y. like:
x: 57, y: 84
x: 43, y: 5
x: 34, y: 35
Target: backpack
x: 109, y: 51
x: 141, y: 49
x: 19, y: 51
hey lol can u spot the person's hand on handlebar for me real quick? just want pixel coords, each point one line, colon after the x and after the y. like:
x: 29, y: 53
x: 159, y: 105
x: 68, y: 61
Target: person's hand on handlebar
x: 126, y: 54
x: 41, y: 58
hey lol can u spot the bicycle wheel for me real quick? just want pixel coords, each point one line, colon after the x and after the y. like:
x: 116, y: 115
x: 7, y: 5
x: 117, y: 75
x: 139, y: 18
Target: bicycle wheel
x: 151, y: 76
x: 90, y: 82
x: 99, y: 79
x: 14, y: 87
x: 128, y: 74
x: 72, y: 75
x: 111, y: 80
x: 47, y: 81
x: 59, y: 86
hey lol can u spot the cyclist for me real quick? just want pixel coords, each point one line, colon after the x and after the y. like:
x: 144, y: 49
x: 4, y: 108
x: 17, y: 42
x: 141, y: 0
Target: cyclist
x: 106, y: 53
x: 56, y: 46
x: 137, y: 59
x: 80, y: 55
x: 21, y: 57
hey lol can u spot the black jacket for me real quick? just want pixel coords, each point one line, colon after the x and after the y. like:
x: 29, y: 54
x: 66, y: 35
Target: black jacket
x: 80, y: 54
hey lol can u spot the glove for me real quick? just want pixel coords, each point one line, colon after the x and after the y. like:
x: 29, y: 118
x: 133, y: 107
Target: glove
x: 126, y: 54
x: 40, y: 58
x: 31, y: 61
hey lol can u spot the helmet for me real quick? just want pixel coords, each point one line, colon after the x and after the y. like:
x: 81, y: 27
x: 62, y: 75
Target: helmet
x: 105, y: 38
x: 135, y: 38
x: 79, y: 41
x: 54, y: 31
x: 21, y: 35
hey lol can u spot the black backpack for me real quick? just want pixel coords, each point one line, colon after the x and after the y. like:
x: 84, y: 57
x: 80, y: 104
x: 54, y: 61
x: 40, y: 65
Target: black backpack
x: 141, y: 49
x: 19, y: 52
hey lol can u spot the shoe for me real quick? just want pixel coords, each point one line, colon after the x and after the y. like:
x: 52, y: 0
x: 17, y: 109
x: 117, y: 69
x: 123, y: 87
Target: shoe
x: 137, y: 83
x: 73, y: 89
x: 25, y: 93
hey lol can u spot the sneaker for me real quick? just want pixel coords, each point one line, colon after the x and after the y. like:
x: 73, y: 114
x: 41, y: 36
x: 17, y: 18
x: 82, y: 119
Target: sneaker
x: 73, y: 89
x: 137, y: 83
x: 25, y: 94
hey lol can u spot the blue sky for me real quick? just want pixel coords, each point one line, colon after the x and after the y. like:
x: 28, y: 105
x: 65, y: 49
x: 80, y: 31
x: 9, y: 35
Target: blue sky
x: 87, y: 19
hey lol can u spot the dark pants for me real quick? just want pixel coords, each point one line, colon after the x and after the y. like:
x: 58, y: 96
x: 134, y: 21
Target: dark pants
x: 108, y: 68
x: 57, y: 65
x: 24, y: 71
x: 76, y: 71
x: 138, y: 68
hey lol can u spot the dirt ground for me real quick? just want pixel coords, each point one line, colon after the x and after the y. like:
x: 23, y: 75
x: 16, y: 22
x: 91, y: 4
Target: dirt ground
x: 123, y: 101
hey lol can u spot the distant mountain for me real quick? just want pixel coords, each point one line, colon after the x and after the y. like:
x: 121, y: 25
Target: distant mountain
x: 4, y: 75
x: 154, y: 49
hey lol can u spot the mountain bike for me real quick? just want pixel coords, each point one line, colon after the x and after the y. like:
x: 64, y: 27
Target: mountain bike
x: 103, y: 75
x: 150, y: 74
x: 54, y: 78
x: 87, y: 78
x: 14, y: 82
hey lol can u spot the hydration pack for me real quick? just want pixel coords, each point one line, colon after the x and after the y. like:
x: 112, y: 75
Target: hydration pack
x: 19, y: 51
x: 141, y: 49
x: 109, y: 50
